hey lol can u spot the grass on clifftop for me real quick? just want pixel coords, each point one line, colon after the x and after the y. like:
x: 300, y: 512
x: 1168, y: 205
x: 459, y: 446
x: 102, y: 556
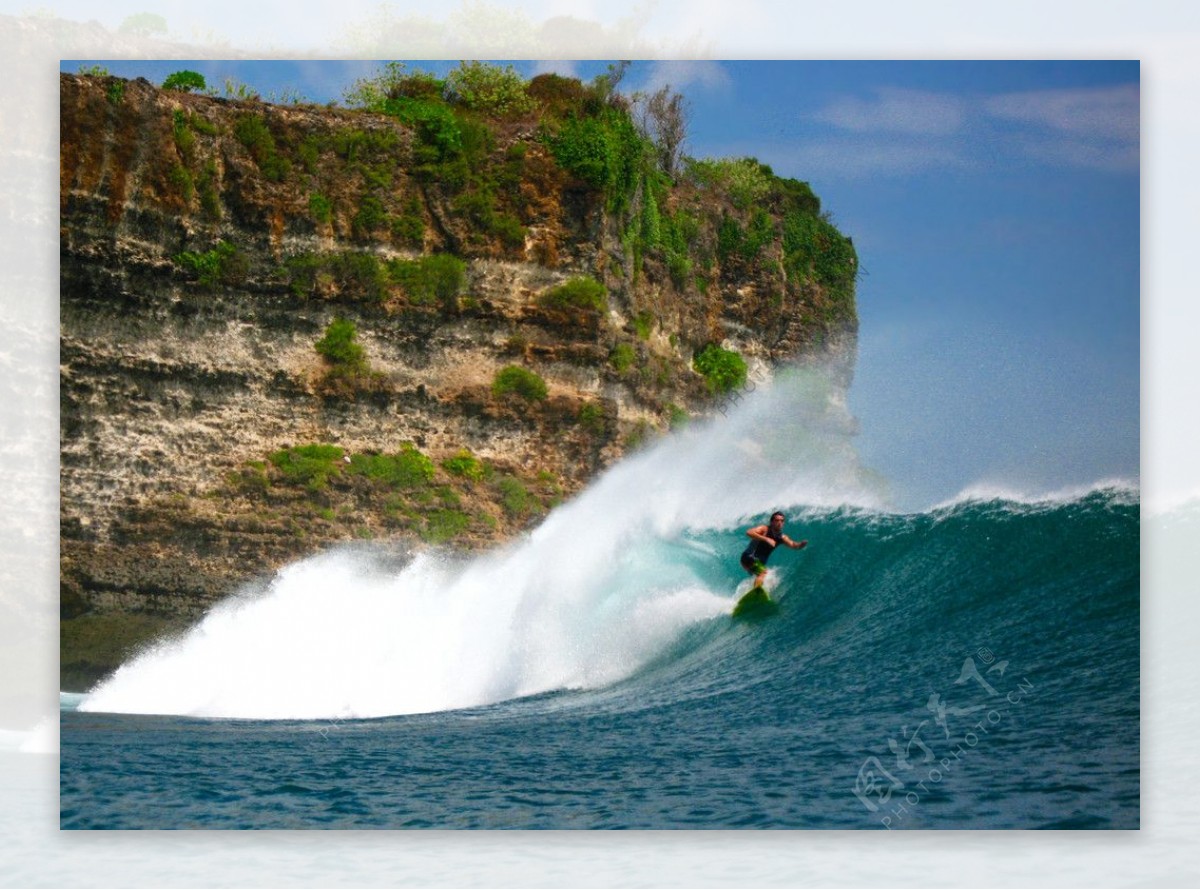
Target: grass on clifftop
x: 498, y: 152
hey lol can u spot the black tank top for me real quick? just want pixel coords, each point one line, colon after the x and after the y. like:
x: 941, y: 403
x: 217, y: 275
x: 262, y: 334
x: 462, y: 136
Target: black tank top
x: 761, y: 550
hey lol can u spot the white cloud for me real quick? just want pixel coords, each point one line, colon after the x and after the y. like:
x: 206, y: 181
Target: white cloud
x: 849, y: 157
x: 855, y: 158
x: 898, y: 111
x: 1097, y: 129
x: 1113, y: 156
x: 899, y: 131
x: 1109, y: 113
x: 706, y: 74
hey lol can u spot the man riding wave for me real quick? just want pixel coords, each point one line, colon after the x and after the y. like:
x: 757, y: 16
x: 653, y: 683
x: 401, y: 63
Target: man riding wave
x: 763, y: 541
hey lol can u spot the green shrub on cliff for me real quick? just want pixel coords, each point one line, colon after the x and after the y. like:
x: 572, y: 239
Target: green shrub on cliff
x: 796, y: 196
x: 438, y: 278
x: 320, y: 208
x: 409, y: 227
x: 308, y: 465
x: 437, y: 128
x: 556, y: 94
x: 581, y: 292
x: 360, y: 275
x: 250, y: 477
x: 759, y: 233
x: 729, y: 238
x: 185, y: 139
x: 489, y: 89
x: 370, y: 216
x: 203, y: 125
x: 677, y: 417
x: 314, y: 465
x: 522, y: 381
x: 477, y: 86
x: 465, y: 465
x: 347, y: 276
x: 743, y: 245
x: 815, y: 250
x: 115, y: 88
x: 723, y: 369
x: 605, y: 151
x: 340, y: 346
x: 509, y: 230
x: 592, y: 417
x: 417, y: 84
x: 622, y: 357
x: 357, y: 146
x: 515, y: 498
x: 370, y: 93
x: 181, y: 178
x: 745, y: 181
x: 210, y: 198
x: 407, y: 468
x: 223, y: 264
x: 651, y: 221
x: 443, y: 525
x: 251, y: 131
x: 452, y: 148
x: 479, y: 205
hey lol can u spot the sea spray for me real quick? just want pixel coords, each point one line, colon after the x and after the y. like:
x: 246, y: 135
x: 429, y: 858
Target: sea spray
x: 585, y: 599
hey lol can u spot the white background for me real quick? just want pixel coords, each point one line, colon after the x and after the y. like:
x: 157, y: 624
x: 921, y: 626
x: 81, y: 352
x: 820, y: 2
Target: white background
x: 1165, y: 36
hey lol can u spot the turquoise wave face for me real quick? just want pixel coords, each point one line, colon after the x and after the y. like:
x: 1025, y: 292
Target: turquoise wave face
x: 878, y: 595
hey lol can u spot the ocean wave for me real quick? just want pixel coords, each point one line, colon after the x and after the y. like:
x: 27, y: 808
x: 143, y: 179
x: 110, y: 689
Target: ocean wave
x: 633, y: 579
x: 1123, y: 491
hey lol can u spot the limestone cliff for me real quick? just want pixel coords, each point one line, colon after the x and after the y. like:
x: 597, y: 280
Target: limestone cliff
x: 208, y: 246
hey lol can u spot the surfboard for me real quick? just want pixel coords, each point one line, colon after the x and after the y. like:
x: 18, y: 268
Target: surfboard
x: 755, y: 604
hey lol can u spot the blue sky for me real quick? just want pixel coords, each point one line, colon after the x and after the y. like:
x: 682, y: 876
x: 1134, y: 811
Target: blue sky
x: 995, y: 208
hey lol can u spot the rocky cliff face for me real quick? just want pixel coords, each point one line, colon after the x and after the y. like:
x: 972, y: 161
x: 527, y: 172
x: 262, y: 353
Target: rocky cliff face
x: 207, y: 247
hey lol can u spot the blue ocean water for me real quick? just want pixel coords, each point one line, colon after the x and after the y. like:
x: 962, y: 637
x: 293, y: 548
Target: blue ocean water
x: 974, y: 665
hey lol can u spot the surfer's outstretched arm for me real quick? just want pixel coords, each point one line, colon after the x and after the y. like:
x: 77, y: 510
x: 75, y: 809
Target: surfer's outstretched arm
x: 795, y: 545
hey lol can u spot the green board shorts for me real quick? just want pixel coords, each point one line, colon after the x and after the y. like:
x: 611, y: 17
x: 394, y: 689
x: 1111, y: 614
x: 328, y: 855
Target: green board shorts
x: 752, y: 565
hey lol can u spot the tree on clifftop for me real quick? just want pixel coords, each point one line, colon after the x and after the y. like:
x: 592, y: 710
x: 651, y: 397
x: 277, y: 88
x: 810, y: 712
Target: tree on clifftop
x: 663, y: 119
x: 185, y: 81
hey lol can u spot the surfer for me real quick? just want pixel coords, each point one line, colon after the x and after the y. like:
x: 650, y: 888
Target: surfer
x: 763, y: 541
